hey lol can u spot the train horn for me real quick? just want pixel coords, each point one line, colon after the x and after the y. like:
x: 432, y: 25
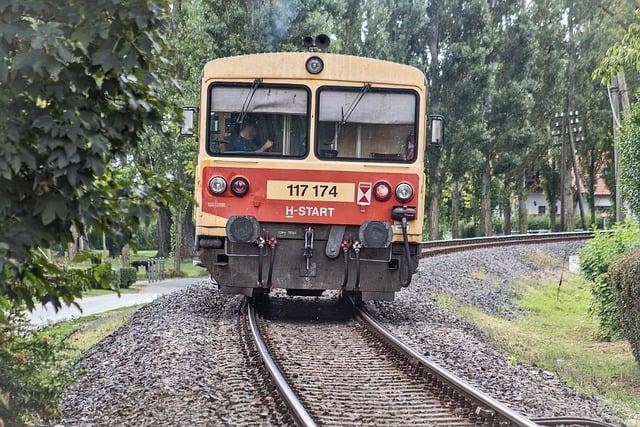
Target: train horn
x: 322, y: 41
x: 308, y: 42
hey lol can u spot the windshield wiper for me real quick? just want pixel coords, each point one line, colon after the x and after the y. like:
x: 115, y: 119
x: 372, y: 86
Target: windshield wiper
x: 354, y: 104
x: 247, y: 101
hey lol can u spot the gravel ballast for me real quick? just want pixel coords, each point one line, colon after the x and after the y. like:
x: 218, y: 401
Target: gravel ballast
x: 182, y: 360
x: 483, y: 278
x: 179, y: 361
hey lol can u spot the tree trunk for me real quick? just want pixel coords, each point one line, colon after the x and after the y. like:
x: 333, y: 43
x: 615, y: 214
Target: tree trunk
x: 455, y: 209
x: 592, y: 178
x: 73, y: 247
x: 523, y: 215
x: 187, y: 246
x: 164, y: 229
x: 485, y: 203
x: 125, y: 256
x: 507, y: 208
x: 434, y: 198
x: 105, y: 251
x: 177, y: 256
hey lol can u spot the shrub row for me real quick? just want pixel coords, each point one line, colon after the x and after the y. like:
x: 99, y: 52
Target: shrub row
x: 625, y: 285
x: 122, y: 278
x: 596, y: 256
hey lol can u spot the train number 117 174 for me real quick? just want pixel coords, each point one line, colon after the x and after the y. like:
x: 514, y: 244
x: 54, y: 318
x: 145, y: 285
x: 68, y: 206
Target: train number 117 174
x: 317, y: 190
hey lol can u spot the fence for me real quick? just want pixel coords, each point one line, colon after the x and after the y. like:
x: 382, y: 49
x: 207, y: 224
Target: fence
x: 155, y: 269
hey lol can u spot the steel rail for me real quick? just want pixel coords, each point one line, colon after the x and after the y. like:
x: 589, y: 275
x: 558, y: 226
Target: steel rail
x: 499, y: 408
x: 298, y: 411
x: 571, y: 421
x: 435, y: 247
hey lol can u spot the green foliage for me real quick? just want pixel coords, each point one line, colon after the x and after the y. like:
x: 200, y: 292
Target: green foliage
x: 596, y: 257
x: 128, y: 276
x: 83, y: 81
x: 625, y: 284
x: 113, y: 278
x: 32, y: 372
x: 630, y: 159
x: 625, y: 52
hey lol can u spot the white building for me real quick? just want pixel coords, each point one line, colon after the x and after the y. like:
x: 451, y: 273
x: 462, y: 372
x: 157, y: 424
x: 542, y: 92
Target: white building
x: 537, y: 202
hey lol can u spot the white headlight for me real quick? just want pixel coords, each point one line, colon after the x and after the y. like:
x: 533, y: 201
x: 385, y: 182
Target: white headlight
x: 314, y: 65
x: 404, y: 192
x: 217, y: 185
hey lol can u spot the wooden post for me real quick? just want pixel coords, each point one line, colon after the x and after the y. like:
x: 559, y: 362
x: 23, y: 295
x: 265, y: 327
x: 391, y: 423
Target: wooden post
x: 563, y: 173
x: 455, y: 209
x: 177, y: 259
x: 523, y: 225
x: 615, y: 107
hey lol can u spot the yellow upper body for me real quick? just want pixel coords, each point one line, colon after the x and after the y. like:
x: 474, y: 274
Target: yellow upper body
x: 289, y: 68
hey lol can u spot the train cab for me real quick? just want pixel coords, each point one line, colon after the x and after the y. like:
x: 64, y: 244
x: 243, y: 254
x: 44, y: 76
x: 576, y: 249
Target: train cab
x: 310, y: 174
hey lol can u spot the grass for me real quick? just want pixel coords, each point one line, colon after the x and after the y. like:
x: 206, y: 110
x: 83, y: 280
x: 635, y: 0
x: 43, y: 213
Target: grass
x: 543, y: 259
x: 478, y: 274
x: 100, y: 292
x: 558, y: 335
x: 83, y: 332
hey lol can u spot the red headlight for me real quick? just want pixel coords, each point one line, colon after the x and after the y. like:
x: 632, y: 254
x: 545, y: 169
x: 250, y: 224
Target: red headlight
x: 239, y: 186
x: 382, y: 191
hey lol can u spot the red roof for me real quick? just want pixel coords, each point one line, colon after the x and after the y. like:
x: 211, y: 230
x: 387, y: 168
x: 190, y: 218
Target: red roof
x: 601, y: 187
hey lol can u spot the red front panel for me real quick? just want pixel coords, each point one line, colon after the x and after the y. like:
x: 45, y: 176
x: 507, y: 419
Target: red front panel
x: 305, y: 196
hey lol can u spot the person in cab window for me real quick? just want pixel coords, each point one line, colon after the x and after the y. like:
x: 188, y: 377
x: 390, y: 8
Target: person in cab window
x: 246, y: 140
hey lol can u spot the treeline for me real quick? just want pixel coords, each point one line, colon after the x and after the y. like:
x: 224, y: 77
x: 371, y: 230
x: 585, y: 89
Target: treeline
x: 499, y: 70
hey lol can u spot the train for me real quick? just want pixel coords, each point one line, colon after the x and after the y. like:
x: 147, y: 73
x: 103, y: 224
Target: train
x: 310, y: 173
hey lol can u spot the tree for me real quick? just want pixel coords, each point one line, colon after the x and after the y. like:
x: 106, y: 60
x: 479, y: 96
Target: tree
x: 626, y: 52
x: 83, y: 81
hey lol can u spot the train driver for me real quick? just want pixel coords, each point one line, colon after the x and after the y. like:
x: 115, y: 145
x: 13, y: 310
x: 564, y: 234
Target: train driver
x: 246, y: 140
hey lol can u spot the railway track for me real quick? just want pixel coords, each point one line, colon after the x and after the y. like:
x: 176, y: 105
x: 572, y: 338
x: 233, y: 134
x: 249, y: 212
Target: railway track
x: 337, y: 365
x: 439, y: 247
x: 334, y: 364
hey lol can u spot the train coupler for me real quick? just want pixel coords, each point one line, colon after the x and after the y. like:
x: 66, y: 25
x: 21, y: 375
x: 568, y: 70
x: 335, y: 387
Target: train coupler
x: 308, y: 246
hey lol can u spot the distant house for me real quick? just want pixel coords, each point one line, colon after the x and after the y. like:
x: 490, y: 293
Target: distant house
x: 537, y: 202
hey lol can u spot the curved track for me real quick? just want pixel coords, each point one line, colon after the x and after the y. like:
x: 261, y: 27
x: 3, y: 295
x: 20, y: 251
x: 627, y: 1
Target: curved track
x: 340, y: 367
x: 334, y: 364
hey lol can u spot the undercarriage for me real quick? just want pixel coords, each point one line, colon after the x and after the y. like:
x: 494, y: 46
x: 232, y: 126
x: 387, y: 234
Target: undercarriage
x: 308, y: 259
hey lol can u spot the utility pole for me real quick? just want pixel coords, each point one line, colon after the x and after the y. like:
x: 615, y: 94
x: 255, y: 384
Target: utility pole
x: 567, y: 128
x: 576, y: 170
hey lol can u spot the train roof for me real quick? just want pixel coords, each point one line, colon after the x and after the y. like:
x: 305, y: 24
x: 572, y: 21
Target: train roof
x: 291, y: 65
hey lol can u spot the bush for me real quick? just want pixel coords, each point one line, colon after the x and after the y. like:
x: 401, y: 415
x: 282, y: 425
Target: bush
x: 469, y: 229
x: 114, y: 279
x: 624, y: 275
x: 175, y: 274
x: 630, y: 159
x: 32, y: 372
x: 595, y: 258
x: 127, y: 276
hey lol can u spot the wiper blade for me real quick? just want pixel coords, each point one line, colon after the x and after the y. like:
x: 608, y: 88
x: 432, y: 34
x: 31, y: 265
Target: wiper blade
x: 247, y: 101
x: 354, y: 104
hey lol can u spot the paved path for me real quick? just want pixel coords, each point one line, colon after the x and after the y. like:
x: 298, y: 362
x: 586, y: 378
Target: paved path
x: 44, y: 315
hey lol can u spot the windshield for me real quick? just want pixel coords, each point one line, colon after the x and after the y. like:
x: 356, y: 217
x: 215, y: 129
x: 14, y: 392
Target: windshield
x: 258, y: 120
x: 366, y: 124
